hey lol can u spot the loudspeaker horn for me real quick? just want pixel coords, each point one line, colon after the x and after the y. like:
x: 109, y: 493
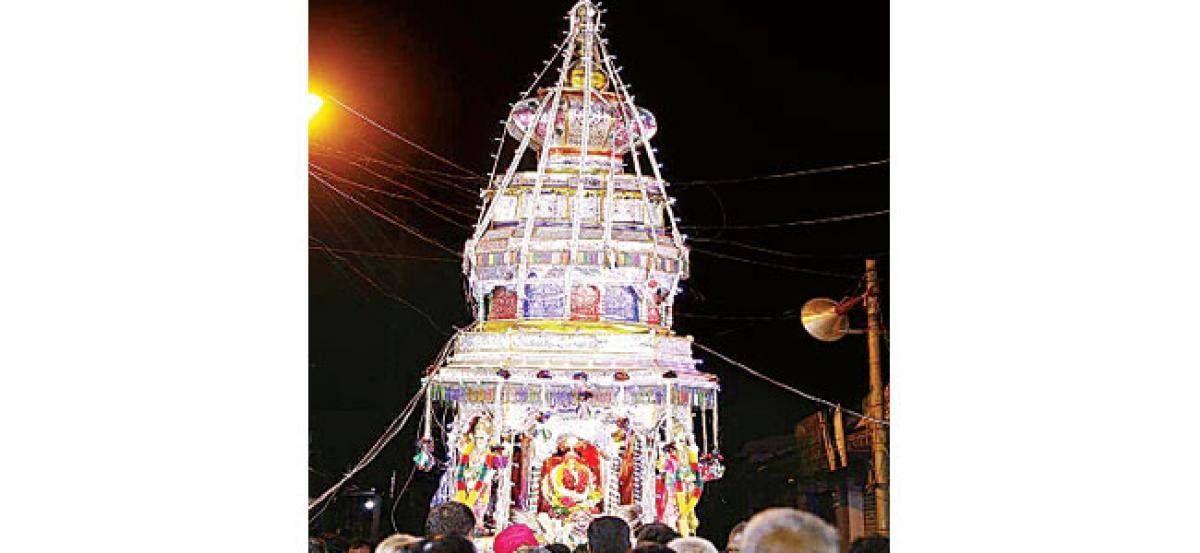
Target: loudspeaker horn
x: 824, y: 319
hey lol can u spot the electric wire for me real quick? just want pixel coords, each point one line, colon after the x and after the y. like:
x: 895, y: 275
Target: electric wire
x: 798, y: 392
x: 414, y: 191
x: 823, y: 220
x: 389, y: 433
x: 401, y: 138
x: 405, y: 165
x: 391, y: 220
x: 375, y: 272
x: 407, y: 481
x: 441, y: 179
x: 724, y: 217
x: 387, y: 255
x: 334, y: 176
x: 321, y: 511
x: 787, y: 315
x: 354, y: 223
x: 800, y: 173
x: 392, y: 430
x: 444, y: 180
x: 433, y: 324
x: 353, y: 160
x: 775, y: 265
x: 786, y: 254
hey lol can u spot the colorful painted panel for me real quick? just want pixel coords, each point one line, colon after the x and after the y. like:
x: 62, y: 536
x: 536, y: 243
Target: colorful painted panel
x: 620, y: 303
x: 627, y: 211
x: 543, y: 301
x: 589, y: 258
x: 652, y: 313
x: 656, y: 216
x: 503, y: 304
x: 495, y: 258
x: 549, y: 258
x: 552, y: 206
x: 585, y: 303
x: 654, y: 306
x: 506, y: 208
x: 631, y: 259
x: 589, y: 208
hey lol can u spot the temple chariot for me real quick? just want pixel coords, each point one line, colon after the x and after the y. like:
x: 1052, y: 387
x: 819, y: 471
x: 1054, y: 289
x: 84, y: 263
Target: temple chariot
x: 570, y: 395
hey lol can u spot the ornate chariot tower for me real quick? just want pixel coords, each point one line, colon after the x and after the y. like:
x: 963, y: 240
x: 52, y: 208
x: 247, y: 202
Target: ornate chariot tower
x: 571, y: 395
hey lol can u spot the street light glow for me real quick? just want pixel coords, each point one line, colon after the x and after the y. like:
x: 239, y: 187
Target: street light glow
x: 314, y: 104
x: 370, y: 504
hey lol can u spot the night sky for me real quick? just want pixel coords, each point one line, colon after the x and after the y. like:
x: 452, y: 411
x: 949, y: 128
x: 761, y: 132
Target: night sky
x: 739, y: 89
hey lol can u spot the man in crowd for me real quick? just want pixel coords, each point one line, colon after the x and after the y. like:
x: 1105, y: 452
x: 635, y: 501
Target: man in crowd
x: 788, y: 531
x: 513, y: 538
x: 450, y: 519
x: 734, y: 543
x: 398, y: 543
x: 651, y: 547
x: 446, y: 544
x: 656, y: 532
x: 608, y: 535
x: 692, y: 544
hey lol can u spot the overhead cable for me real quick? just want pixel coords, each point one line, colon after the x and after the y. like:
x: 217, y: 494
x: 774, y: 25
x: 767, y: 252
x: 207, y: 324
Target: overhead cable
x: 411, y: 305
x: 401, y: 138
x: 823, y: 220
x: 392, y: 430
x: 387, y: 255
x: 416, y: 201
x: 800, y: 393
x: 385, y: 217
x: 775, y: 265
x: 800, y: 173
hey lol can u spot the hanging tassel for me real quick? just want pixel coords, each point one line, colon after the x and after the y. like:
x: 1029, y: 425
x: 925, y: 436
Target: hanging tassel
x: 428, y: 416
x: 424, y: 457
x: 711, y: 464
x: 716, y: 429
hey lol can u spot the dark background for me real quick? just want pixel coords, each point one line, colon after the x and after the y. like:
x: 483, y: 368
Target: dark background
x: 739, y: 89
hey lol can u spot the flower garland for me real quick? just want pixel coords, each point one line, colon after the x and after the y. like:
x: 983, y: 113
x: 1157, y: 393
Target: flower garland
x: 563, y: 498
x: 481, y: 474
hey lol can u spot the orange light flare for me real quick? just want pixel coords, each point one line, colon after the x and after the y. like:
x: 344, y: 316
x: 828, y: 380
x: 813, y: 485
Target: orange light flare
x: 314, y: 104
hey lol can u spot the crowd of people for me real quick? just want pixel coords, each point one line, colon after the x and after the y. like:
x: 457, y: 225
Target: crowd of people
x: 449, y: 527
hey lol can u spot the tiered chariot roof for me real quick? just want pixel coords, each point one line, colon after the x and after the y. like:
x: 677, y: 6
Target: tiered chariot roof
x: 574, y: 264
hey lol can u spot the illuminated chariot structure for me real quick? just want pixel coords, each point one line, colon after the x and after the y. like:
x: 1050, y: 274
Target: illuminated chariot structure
x: 571, y: 395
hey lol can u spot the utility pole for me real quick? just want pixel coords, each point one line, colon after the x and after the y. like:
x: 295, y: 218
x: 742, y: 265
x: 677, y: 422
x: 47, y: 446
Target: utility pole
x: 879, y: 448
x: 827, y: 320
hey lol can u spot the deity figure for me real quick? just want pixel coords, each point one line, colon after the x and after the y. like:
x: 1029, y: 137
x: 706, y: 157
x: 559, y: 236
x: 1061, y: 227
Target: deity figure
x: 478, y: 464
x: 679, y: 484
x: 571, y: 480
x: 623, y: 437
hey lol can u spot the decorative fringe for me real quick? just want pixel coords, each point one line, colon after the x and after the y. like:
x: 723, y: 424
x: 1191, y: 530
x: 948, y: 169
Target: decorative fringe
x: 559, y: 395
